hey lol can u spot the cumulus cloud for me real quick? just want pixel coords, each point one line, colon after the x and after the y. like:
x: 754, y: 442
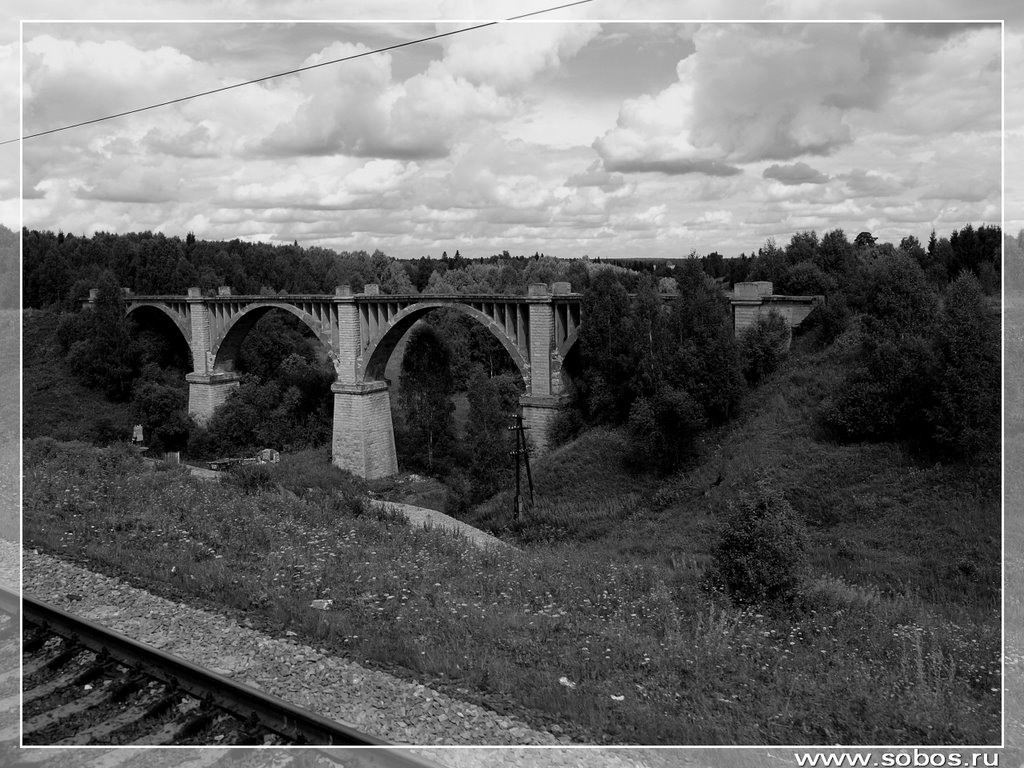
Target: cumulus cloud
x: 954, y: 84
x: 360, y: 110
x: 509, y: 56
x: 134, y: 184
x: 867, y: 183
x: 412, y: 154
x: 68, y: 81
x: 196, y: 141
x: 596, y: 175
x: 797, y: 173
x: 755, y: 92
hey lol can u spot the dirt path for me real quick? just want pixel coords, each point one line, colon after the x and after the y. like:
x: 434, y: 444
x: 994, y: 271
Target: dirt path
x: 428, y: 518
x: 431, y: 518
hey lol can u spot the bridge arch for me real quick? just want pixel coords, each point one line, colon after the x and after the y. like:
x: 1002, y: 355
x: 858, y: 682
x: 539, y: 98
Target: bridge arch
x: 225, y: 350
x: 378, y: 352
x: 360, y: 333
x: 165, y: 315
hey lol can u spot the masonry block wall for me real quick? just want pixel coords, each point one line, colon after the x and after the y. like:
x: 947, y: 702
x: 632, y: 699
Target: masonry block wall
x: 363, y: 438
x: 199, y: 317
x: 751, y: 301
x: 538, y: 417
x: 206, y: 392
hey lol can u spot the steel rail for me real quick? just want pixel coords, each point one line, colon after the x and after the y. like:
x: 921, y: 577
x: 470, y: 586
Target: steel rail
x: 301, y: 726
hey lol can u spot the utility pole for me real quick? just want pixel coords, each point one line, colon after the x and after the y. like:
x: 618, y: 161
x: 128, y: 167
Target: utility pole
x: 520, y: 450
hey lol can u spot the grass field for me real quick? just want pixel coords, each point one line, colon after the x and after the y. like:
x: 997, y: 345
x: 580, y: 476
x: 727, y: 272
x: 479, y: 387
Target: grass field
x: 895, y: 639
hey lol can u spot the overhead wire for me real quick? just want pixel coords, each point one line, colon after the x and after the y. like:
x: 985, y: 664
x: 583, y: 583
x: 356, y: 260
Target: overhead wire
x: 295, y: 71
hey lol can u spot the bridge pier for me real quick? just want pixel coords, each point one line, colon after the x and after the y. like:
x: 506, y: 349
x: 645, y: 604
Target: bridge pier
x: 363, y: 439
x: 208, y: 390
x: 539, y: 412
x: 359, y: 333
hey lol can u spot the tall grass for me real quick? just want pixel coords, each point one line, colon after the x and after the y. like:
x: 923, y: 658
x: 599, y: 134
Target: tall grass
x: 653, y: 658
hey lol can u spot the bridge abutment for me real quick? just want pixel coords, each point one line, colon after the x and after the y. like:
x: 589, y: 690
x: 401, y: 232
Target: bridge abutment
x: 363, y: 438
x: 208, y: 390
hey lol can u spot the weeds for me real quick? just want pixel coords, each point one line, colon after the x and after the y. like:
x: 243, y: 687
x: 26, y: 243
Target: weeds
x: 652, y: 658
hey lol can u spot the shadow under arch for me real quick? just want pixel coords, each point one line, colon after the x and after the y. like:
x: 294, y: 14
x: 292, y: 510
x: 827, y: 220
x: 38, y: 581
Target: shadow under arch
x: 377, y: 354
x: 160, y: 319
x: 225, y: 353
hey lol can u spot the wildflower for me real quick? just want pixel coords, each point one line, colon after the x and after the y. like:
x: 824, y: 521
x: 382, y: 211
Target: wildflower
x: 617, y: 698
x: 563, y: 680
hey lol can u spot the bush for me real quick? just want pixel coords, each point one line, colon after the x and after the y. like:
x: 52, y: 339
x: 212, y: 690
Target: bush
x: 762, y: 551
x: 460, y: 493
x: 964, y: 419
x: 663, y: 429
x: 887, y: 394
x: 103, y: 431
x: 895, y: 297
x: 829, y: 319
x: 763, y: 346
x: 251, y: 478
x: 567, y: 425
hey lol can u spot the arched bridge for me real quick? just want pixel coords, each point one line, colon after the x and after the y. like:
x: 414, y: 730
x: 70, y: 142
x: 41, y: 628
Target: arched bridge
x: 360, y: 331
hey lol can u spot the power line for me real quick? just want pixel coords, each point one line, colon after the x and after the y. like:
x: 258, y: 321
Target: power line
x: 293, y: 71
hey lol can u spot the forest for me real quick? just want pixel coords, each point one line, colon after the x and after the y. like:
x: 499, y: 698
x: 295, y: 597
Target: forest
x: 656, y: 354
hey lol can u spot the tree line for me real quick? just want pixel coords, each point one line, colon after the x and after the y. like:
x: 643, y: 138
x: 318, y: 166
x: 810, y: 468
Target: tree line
x: 59, y: 268
x: 8, y: 268
x: 656, y: 353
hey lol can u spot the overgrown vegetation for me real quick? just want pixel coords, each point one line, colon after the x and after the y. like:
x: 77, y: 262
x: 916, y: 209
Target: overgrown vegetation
x: 653, y: 657
x: 814, y: 557
x: 762, y: 550
x: 763, y: 346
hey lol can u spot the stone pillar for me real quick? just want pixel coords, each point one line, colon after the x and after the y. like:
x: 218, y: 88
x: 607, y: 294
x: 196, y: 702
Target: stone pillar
x: 542, y: 340
x: 347, y: 340
x: 199, y: 318
x: 541, y: 403
x: 539, y: 413
x: 207, y: 388
x: 363, y: 439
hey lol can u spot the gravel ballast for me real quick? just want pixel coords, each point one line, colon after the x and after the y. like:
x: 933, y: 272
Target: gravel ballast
x: 381, y: 704
x: 371, y: 700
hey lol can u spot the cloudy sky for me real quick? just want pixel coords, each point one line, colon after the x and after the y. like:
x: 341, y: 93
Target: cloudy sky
x: 568, y: 137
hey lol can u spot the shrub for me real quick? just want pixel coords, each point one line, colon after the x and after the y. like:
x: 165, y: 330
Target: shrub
x: 887, y: 394
x: 567, y: 425
x: 829, y: 319
x: 763, y: 346
x: 762, y: 551
x: 313, y: 470
x: 103, y: 431
x: 251, y: 478
x: 964, y: 420
x: 460, y: 494
x: 895, y: 297
x: 663, y: 429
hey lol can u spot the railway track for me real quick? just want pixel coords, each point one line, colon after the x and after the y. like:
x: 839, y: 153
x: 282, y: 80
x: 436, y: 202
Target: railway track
x: 84, y: 684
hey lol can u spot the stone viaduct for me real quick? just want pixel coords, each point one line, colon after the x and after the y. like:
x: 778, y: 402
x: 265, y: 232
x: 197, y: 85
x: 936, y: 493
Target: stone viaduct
x: 360, y: 331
